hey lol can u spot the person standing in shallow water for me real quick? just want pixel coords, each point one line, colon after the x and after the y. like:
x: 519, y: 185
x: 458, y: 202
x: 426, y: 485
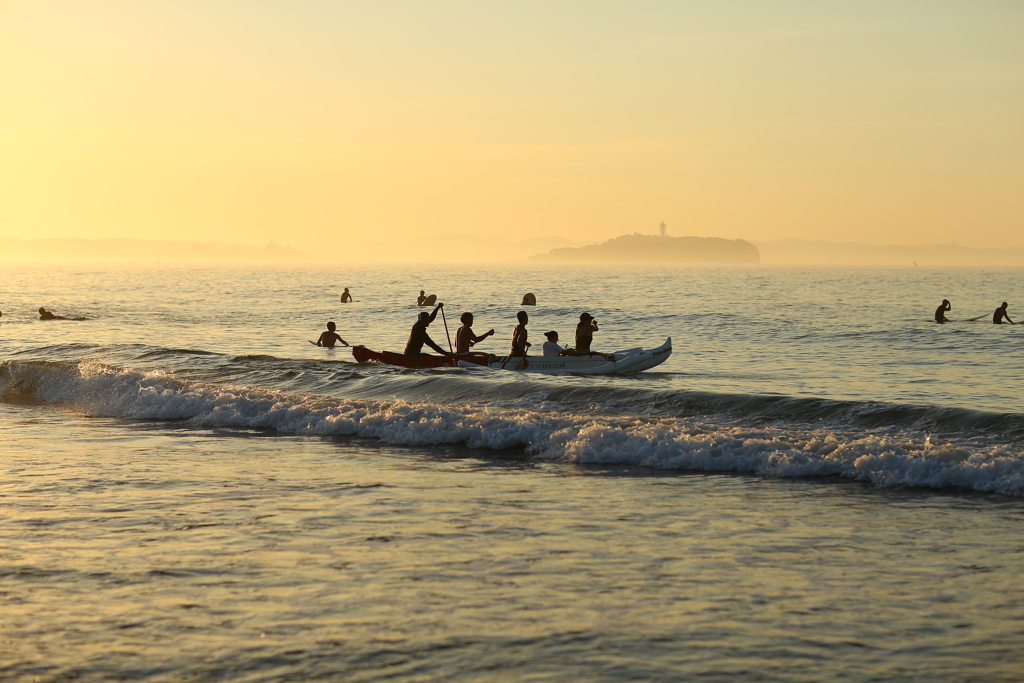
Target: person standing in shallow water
x: 940, y: 312
x: 1000, y: 314
x: 346, y: 297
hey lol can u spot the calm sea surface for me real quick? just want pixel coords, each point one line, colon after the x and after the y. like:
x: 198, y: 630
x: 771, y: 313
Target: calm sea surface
x: 820, y: 484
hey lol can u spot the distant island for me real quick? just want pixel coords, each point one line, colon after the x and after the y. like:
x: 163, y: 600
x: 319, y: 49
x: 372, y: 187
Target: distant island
x: 637, y: 248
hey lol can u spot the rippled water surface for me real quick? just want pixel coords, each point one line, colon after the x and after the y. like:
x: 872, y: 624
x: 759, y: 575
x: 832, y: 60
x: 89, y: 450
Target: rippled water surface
x: 820, y: 484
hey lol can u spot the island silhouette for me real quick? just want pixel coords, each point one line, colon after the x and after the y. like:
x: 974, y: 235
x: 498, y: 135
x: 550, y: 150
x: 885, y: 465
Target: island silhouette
x: 637, y: 248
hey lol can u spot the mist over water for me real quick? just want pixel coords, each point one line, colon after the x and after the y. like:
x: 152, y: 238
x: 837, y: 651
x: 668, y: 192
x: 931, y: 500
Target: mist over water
x: 159, y: 454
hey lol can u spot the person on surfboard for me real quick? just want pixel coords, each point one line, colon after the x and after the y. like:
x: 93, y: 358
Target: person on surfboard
x: 329, y: 338
x: 464, y: 337
x: 940, y: 312
x: 418, y: 336
x: 47, y: 315
x: 1000, y: 314
x: 519, y: 334
x: 421, y: 298
x: 346, y: 298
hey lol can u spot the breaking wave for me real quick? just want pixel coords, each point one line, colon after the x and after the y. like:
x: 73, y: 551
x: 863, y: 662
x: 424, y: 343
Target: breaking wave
x: 887, y: 445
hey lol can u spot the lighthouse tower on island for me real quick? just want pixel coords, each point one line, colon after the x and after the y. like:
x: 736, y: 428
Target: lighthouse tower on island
x: 664, y: 228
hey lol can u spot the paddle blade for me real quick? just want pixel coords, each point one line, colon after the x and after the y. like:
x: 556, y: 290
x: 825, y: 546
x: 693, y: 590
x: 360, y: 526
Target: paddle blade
x: 522, y: 364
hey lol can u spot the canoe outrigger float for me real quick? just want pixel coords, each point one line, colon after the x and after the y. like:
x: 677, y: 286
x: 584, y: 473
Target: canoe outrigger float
x: 632, y: 360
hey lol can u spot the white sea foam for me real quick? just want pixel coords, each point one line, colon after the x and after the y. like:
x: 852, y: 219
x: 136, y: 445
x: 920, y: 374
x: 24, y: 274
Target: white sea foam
x: 899, y: 458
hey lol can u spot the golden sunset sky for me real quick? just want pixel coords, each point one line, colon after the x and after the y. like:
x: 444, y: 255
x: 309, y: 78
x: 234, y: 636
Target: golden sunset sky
x: 335, y: 125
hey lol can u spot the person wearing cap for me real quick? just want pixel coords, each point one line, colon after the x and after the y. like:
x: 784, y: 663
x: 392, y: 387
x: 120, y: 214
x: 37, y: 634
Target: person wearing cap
x: 1000, y: 314
x: 464, y: 337
x: 585, y: 333
x: 418, y: 336
x: 584, y: 337
x: 940, y: 312
x: 551, y: 347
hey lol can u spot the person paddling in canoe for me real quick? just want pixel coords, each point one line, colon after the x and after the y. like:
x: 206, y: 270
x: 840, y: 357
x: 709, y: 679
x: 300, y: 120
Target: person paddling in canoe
x: 464, y: 337
x: 418, y: 336
x: 519, y: 334
x: 329, y: 338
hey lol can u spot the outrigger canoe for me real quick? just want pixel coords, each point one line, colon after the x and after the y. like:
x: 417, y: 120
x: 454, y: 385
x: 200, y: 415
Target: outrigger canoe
x: 627, y: 361
x: 365, y: 355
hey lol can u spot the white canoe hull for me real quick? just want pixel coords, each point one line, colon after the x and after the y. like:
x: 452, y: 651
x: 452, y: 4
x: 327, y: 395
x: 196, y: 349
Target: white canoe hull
x: 627, y: 361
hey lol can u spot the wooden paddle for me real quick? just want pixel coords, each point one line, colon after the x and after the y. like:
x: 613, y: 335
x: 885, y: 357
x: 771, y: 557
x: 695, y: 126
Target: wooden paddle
x: 445, y: 321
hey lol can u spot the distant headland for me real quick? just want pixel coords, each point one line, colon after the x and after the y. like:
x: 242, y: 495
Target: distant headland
x: 637, y: 248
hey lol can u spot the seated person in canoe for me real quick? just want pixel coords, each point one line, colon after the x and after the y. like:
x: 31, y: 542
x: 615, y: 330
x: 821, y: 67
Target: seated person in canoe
x: 464, y: 337
x: 585, y: 337
x: 418, y: 336
x: 519, y: 334
x: 329, y: 338
x: 551, y: 347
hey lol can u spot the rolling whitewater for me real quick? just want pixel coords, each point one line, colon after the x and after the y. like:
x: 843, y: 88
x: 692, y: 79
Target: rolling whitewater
x: 819, y: 481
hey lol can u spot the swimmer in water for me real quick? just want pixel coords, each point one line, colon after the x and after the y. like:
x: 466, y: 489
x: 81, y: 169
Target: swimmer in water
x: 418, y: 336
x: 1000, y: 314
x: 46, y: 315
x: 329, y: 338
x: 464, y: 337
x: 421, y: 298
x: 940, y: 312
x: 346, y: 297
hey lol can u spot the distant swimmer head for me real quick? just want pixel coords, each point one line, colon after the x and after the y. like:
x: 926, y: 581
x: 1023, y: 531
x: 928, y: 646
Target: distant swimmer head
x: 424, y: 317
x: 584, y: 317
x: 331, y: 326
x: 552, y: 336
x: 466, y: 318
x: 41, y: 310
x: 522, y: 317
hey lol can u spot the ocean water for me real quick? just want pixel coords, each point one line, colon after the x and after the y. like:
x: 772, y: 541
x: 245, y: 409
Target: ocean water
x: 820, y: 484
